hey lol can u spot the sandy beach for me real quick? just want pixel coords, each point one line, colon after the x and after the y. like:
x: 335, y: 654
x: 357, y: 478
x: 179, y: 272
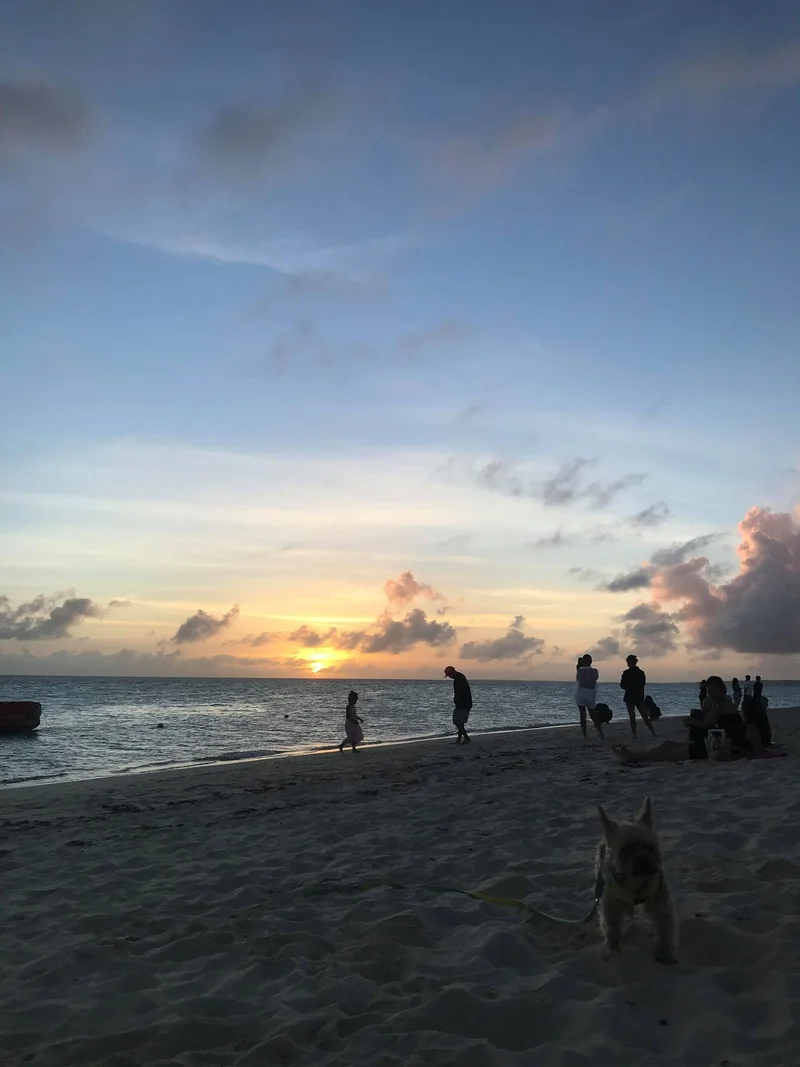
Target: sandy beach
x: 240, y: 914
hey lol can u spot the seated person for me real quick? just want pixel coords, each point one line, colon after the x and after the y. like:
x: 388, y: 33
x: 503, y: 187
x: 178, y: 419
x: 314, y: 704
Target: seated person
x: 756, y: 718
x: 719, y: 714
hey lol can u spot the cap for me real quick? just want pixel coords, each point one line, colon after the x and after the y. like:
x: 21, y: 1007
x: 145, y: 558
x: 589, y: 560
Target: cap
x: 448, y: 669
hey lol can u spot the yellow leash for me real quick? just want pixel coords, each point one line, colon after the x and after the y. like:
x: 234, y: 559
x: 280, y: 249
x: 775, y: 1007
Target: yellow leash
x: 474, y: 894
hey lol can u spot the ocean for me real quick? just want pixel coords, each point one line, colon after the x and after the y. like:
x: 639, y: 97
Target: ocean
x: 98, y: 726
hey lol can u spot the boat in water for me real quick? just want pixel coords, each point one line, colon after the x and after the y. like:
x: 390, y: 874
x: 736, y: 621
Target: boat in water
x: 19, y: 716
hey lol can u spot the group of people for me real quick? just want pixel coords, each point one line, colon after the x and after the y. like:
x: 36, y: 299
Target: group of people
x: 632, y: 683
x: 744, y: 734
x: 752, y: 689
x: 462, y: 706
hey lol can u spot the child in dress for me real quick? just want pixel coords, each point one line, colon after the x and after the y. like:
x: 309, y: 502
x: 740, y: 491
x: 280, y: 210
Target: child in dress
x: 352, y: 724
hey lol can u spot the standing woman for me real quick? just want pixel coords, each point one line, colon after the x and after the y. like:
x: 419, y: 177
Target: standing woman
x: 586, y: 677
x: 352, y: 724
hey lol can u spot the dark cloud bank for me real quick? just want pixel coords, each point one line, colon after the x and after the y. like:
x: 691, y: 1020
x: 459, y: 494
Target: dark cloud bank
x: 757, y: 611
x: 45, y: 619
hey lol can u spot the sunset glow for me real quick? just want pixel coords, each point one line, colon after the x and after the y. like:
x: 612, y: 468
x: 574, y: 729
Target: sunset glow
x: 484, y: 352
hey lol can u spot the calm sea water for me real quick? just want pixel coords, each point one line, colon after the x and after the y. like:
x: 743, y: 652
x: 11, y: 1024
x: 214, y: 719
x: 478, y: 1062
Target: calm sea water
x: 97, y: 726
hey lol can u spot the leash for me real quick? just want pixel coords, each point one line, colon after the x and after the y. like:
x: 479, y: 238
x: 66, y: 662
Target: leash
x: 522, y: 906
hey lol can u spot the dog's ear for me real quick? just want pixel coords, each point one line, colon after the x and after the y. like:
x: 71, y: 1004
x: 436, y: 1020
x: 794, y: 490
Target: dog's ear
x: 645, y: 816
x: 609, y: 826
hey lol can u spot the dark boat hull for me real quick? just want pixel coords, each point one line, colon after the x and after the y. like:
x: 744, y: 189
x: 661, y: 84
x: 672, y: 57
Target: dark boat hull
x: 19, y: 716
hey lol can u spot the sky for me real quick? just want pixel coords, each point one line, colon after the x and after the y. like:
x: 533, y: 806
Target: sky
x: 354, y: 339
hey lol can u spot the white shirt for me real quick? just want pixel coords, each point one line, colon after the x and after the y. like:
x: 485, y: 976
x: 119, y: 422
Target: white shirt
x: 748, y: 689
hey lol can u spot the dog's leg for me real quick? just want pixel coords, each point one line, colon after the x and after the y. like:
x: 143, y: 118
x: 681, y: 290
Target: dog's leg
x: 611, y: 917
x: 662, y: 916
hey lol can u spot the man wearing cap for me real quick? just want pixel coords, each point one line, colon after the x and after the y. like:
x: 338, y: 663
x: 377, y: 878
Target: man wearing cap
x: 633, y: 682
x: 462, y: 699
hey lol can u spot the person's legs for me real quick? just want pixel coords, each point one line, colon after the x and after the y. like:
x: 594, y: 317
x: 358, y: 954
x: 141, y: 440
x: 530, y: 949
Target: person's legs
x: 582, y: 710
x: 596, y: 722
x: 632, y: 716
x: 646, y: 718
x: 460, y: 716
x: 666, y: 752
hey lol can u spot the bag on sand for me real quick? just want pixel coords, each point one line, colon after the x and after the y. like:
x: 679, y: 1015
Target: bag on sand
x: 604, y: 712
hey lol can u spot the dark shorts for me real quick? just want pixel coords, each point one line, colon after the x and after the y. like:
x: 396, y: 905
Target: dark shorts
x: 460, y: 716
x: 697, y: 750
x: 633, y: 701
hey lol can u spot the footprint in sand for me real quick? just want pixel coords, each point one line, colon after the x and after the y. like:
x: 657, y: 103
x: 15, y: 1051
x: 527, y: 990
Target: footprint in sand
x: 778, y: 870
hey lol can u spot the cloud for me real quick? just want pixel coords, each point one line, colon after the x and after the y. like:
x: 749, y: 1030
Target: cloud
x: 456, y: 543
x: 712, y: 76
x: 129, y: 662
x: 500, y: 475
x: 35, y: 116
x: 681, y: 551
x: 652, y: 516
x: 606, y: 648
x: 321, y: 283
x: 638, y: 578
x: 448, y: 332
x: 514, y: 645
x: 650, y: 631
x: 555, y: 540
x: 406, y: 588
x: 641, y: 577
x: 349, y: 640
x: 602, y: 494
x: 565, y: 487
x: 257, y: 640
x: 646, y: 630
x: 245, y: 139
x: 585, y: 574
x: 758, y: 611
x: 44, y: 619
x: 302, y: 347
x: 483, y: 161
x: 309, y: 638
x: 201, y: 626
x: 471, y: 411
x: 399, y: 635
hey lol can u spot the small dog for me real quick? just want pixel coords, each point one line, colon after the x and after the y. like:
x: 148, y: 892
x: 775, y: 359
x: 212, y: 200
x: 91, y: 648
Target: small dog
x: 630, y: 875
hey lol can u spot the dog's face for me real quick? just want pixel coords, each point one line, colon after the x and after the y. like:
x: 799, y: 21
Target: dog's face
x: 633, y: 850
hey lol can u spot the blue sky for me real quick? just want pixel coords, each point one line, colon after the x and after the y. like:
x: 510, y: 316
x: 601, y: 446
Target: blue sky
x: 299, y: 297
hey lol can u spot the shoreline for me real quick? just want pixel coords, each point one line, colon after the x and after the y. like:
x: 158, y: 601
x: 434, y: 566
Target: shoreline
x: 366, y: 746
x: 285, y: 766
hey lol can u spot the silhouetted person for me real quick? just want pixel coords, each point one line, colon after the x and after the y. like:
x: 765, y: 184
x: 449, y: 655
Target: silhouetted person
x: 703, y: 693
x: 755, y: 714
x: 758, y: 692
x: 586, y: 678
x: 633, y: 682
x: 354, y: 735
x: 748, y: 687
x: 736, y: 693
x: 462, y: 701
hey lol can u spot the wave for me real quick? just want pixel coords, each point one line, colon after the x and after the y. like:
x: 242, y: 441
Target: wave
x: 25, y: 778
